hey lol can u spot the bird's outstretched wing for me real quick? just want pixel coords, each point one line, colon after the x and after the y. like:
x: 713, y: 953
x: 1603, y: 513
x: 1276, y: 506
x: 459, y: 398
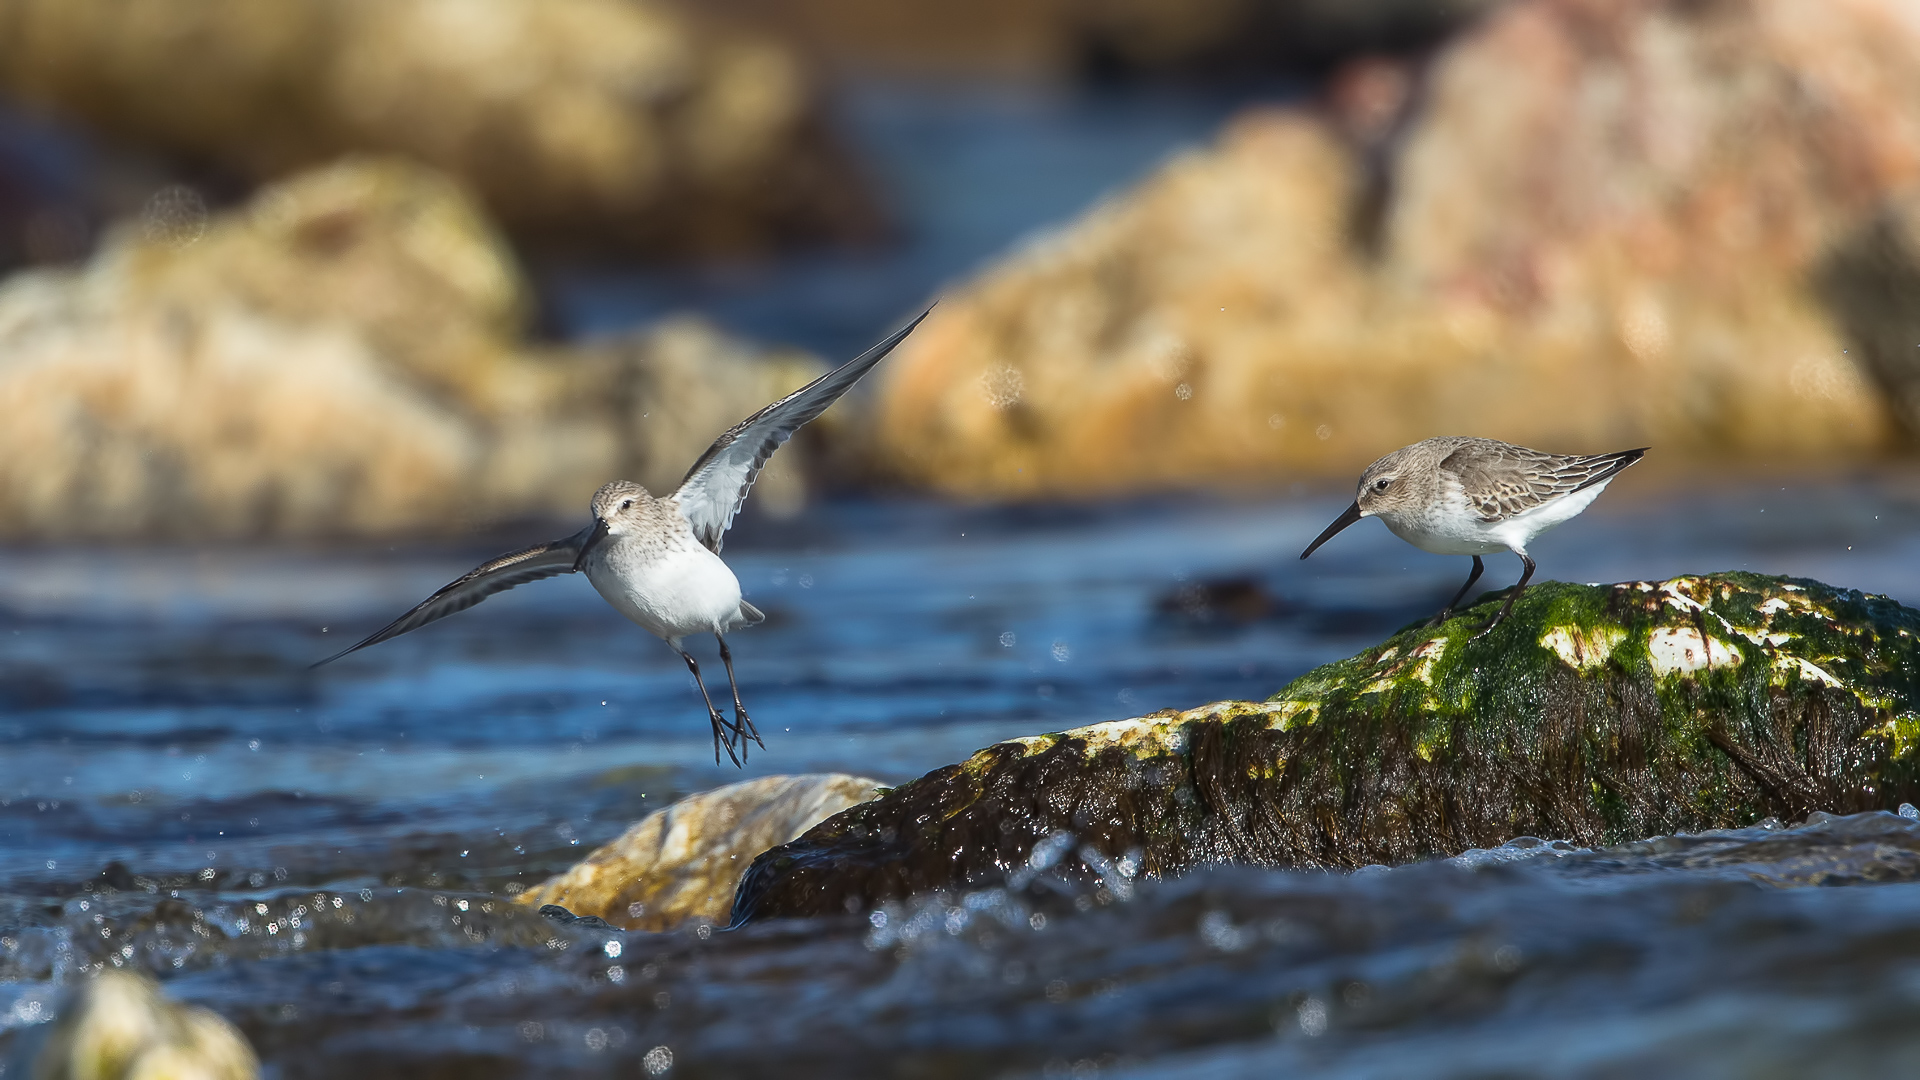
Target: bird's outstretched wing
x: 492, y: 576
x: 718, y: 483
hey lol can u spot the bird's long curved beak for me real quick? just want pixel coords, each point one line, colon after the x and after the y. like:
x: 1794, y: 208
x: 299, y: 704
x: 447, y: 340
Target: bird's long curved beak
x: 1351, y: 515
x: 593, y: 540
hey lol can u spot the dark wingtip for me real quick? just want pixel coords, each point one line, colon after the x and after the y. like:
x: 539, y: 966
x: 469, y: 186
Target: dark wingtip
x: 331, y: 659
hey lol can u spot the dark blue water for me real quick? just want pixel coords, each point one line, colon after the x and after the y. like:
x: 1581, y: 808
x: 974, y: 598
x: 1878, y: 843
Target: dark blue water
x: 163, y: 742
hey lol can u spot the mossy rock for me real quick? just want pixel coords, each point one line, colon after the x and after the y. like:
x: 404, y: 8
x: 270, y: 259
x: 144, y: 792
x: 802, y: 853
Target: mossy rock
x: 1595, y: 713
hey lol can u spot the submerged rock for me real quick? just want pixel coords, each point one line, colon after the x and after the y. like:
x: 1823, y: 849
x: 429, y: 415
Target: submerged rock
x: 681, y: 864
x: 1596, y: 714
x: 614, y: 124
x: 1625, y: 205
x: 344, y: 355
x: 121, y: 1027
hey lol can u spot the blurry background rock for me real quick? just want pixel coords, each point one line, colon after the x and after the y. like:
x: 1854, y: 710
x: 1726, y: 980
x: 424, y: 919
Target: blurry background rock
x: 1101, y: 38
x: 608, y: 125
x: 119, y: 1026
x: 681, y: 863
x: 344, y: 355
x: 1580, y: 225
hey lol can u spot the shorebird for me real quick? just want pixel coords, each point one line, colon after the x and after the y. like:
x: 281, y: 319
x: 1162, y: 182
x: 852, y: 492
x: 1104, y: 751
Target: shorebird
x: 1456, y: 495
x: 657, y: 560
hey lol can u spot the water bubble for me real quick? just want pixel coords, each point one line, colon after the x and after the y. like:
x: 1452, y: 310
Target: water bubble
x: 1323, y: 432
x: 596, y: 1039
x: 1909, y: 811
x: 1007, y: 639
x: 174, y: 217
x: 1217, y: 930
x: 1313, y: 1017
x: 1061, y: 652
x: 612, y: 949
x: 658, y: 1060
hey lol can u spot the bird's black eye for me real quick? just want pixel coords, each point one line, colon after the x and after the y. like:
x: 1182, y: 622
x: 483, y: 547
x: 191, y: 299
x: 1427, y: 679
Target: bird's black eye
x: 626, y: 504
x: 1382, y: 484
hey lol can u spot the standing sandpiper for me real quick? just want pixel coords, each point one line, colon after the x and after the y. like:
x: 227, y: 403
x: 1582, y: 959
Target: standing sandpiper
x: 657, y: 561
x: 1455, y: 495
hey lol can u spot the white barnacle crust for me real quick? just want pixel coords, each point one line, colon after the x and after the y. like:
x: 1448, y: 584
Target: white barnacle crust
x: 1143, y: 737
x: 1677, y: 599
x: 1795, y: 666
x: 1583, y: 649
x: 1678, y: 650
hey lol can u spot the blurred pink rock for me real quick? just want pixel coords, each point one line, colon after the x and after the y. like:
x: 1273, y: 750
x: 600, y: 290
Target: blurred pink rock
x: 1586, y: 223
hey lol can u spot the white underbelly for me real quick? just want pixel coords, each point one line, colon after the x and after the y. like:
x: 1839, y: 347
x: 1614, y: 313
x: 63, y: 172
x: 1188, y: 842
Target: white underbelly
x: 672, y: 594
x: 1462, y: 539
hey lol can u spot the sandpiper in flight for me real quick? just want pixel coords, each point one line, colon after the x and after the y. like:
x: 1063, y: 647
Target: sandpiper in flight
x: 657, y: 560
x: 1455, y: 495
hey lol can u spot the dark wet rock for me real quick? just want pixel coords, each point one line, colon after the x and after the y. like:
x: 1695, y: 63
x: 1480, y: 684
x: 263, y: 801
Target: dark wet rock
x: 1216, y: 602
x: 1597, y: 714
x: 562, y: 915
x: 1103, y: 39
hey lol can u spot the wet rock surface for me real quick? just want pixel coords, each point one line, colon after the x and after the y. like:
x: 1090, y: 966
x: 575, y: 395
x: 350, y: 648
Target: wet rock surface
x: 1443, y: 246
x: 346, y: 354
x: 682, y: 863
x: 1597, y: 714
x: 615, y: 126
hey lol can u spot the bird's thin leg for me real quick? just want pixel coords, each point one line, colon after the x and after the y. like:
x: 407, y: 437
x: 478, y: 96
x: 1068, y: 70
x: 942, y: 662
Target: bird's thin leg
x: 1518, y: 588
x: 713, y: 714
x: 1447, y: 612
x: 742, y: 722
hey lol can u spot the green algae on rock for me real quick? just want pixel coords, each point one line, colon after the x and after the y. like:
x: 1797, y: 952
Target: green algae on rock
x: 1595, y: 713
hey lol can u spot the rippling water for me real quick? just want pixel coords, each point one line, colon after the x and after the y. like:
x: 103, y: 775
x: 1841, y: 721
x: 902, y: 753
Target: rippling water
x: 324, y: 856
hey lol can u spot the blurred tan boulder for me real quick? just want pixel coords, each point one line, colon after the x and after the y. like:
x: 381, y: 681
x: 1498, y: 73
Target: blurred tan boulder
x: 680, y: 864
x: 120, y: 1026
x: 1587, y: 224
x: 607, y: 124
x: 342, y: 356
